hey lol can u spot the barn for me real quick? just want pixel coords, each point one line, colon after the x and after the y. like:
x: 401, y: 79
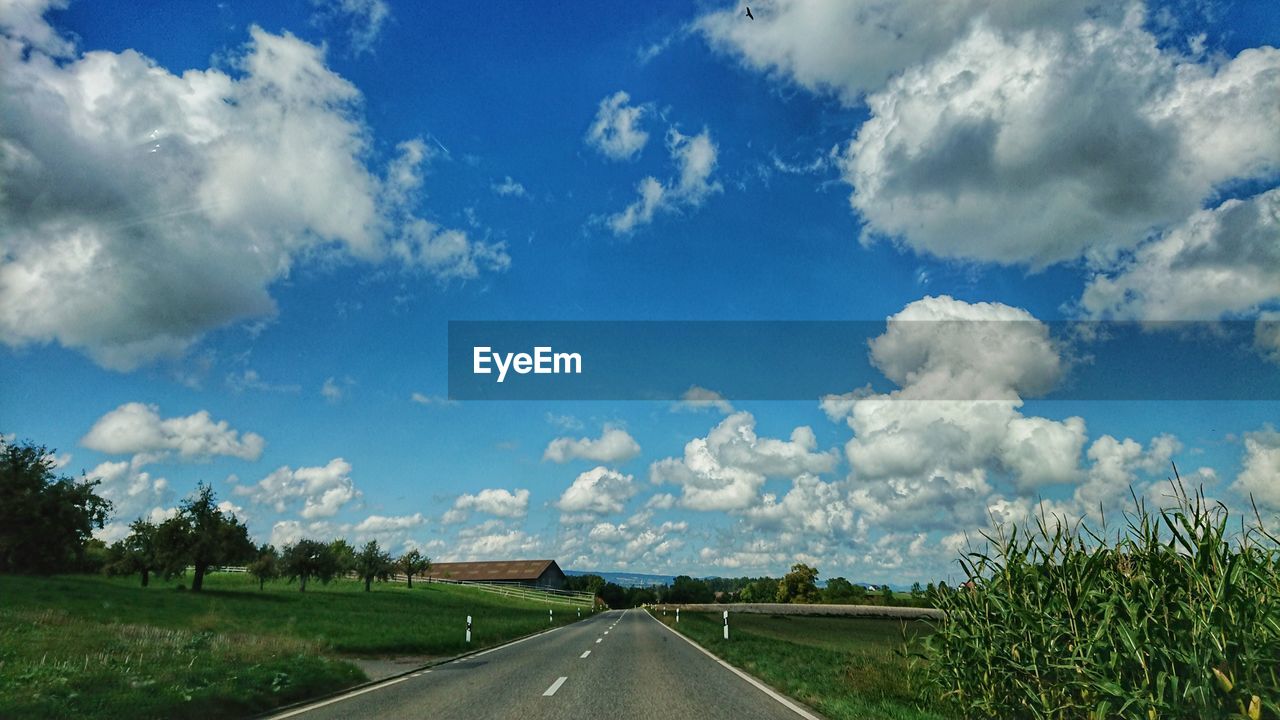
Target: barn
x: 542, y: 573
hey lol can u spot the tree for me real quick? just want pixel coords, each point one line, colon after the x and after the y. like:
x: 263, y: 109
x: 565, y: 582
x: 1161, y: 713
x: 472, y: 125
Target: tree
x: 685, y: 589
x: 307, y: 559
x: 413, y: 563
x: 343, y: 555
x: 372, y: 562
x: 886, y: 594
x: 46, y: 521
x: 613, y: 595
x: 916, y: 590
x: 266, y: 566
x: 838, y: 590
x: 799, y: 586
x: 203, y: 536
x: 760, y: 590
x: 139, y: 552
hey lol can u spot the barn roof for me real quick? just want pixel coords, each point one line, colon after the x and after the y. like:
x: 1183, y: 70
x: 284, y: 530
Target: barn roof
x: 497, y: 570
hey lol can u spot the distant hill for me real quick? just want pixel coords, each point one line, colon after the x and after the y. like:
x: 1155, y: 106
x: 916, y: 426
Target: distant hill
x: 627, y: 579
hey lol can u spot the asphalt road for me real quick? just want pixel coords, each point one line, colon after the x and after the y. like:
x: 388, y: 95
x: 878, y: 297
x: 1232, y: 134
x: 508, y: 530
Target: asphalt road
x: 621, y: 665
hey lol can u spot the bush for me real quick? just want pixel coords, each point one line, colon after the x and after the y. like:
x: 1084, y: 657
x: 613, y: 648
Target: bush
x: 1178, y: 617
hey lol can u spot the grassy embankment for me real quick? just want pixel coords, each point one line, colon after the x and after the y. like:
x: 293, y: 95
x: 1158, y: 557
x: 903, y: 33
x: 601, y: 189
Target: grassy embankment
x: 87, y: 646
x: 841, y: 667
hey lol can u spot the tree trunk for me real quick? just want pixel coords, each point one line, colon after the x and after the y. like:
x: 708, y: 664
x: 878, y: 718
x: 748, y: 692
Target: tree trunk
x: 302, y: 583
x: 197, y: 582
x: 410, y: 577
x: 146, y: 577
x: 261, y: 581
x: 367, y: 582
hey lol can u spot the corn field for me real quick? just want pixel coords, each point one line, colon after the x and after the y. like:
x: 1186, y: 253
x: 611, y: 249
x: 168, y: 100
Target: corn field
x: 1176, y: 615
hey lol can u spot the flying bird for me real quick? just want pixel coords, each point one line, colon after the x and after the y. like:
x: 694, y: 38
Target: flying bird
x: 753, y: 17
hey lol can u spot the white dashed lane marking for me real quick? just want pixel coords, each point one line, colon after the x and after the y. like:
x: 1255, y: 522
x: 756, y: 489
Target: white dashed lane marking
x: 554, y: 687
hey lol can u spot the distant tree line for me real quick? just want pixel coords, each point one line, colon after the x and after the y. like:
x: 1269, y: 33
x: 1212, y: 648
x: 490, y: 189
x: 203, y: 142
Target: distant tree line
x: 47, y: 523
x: 798, y: 586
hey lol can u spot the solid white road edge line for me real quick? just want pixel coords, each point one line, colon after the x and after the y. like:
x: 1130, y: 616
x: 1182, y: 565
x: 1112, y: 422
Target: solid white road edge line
x: 786, y: 701
x: 386, y: 684
x: 554, y: 687
x: 583, y: 655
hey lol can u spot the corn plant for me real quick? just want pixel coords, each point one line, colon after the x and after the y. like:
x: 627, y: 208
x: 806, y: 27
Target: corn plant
x: 1176, y: 615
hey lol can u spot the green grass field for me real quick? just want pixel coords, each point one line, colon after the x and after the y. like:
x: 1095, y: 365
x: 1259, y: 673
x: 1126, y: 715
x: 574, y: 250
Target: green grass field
x: 845, y: 668
x: 87, y: 646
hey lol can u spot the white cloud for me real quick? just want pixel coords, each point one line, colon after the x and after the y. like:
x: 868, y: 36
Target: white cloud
x: 491, y: 501
x: 698, y: 398
x: 614, y: 445
x: 598, y: 491
x: 920, y: 462
x: 726, y: 469
x: 323, y: 491
x: 850, y: 48
x: 333, y: 391
x: 492, y: 542
x: 143, y: 208
x: 25, y: 19
x: 1221, y: 261
x: 695, y: 160
x: 386, y: 524
x: 1260, y: 468
x: 616, y: 131
x: 423, y: 399
x: 509, y: 188
x: 132, y: 491
x: 135, y: 428
x: 364, y: 19
x: 1049, y: 145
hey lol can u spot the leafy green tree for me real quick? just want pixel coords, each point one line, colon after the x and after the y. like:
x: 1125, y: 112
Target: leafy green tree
x: 613, y: 595
x: 685, y: 589
x: 413, y: 563
x: 46, y: 521
x: 308, y: 559
x: 266, y: 566
x: 838, y: 591
x: 799, y: 586
x: 760, y: 590
x: 917, y: 590
x: 373, y: 563
x: 202, y: 536
x: 139, y: 552
x: 344, y: 555
x: 886, y: 594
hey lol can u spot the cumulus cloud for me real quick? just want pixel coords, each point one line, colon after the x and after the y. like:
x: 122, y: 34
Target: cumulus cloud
x: 616, y: 131
x: 598, y: 491
x: 135, y: 428
x: 322, y: 491
x: 726, y: 469
x: 614, y: 445
x: 1223, y: 260
x: 851, y: 48
x: 491, y: 501
x: 694, y: 158
x: 636, y: 542
x: 133, y: 493
x: 927, y: 465
x: 1260, y: 468
x: 141, y: 209
x: 1046, y: 146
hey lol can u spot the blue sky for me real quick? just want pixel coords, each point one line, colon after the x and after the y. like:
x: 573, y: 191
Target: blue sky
x: 232, y: 236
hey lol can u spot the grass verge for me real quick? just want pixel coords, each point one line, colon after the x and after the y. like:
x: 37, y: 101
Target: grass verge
x: 76, y: 646
x: 845, y: 668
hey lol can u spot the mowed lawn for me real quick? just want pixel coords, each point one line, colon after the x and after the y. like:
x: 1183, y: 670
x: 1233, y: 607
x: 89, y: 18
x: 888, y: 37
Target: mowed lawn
x: 88, y: 646
x: 845, y: 668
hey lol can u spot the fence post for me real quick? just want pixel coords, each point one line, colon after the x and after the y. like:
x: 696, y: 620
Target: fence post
x: 726, y: 624
x: 468, y: 629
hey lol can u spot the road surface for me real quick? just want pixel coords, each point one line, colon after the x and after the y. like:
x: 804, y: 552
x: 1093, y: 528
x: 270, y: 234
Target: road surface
x: 621, y: 665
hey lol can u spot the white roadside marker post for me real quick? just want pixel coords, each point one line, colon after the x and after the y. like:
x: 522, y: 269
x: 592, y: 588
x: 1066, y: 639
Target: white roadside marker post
x: 579, y: 612
x: 468, y: 629
x: 726, y: 624
x: 677, y: 615
x: 550, y: 618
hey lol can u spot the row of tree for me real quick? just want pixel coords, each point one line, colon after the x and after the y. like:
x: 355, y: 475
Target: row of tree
x: 47, y: 523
